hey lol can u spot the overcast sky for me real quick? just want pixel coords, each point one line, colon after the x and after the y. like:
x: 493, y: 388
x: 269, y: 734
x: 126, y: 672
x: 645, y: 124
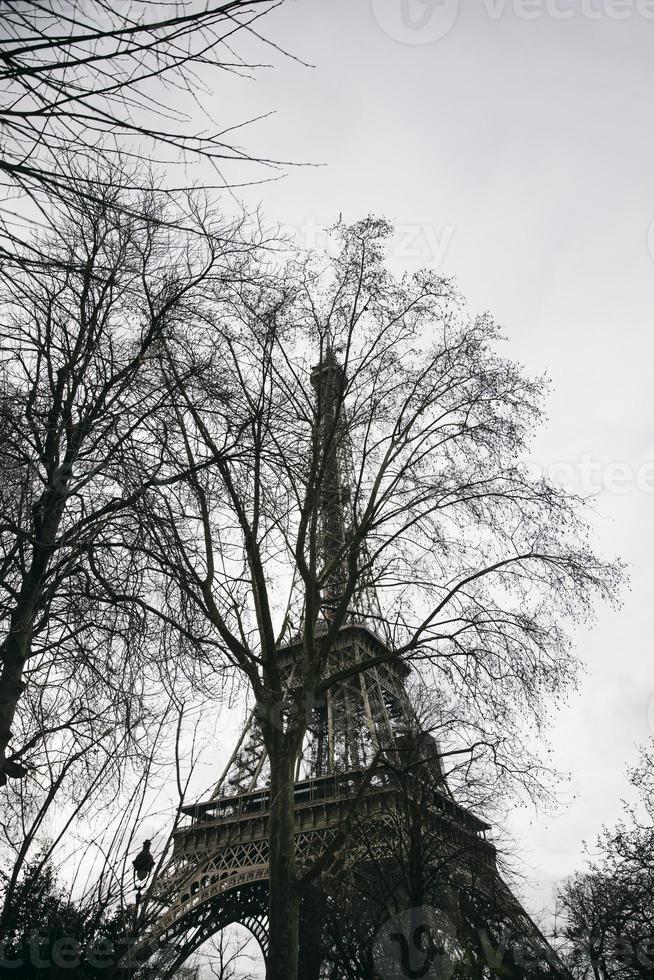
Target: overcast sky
x: 511, y: 144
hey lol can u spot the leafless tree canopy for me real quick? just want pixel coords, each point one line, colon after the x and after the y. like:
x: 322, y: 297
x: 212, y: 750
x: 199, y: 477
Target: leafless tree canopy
x: 90, y: 79
x: 608, y: 909
x: 474, y: 563
x: 355, y: 447
x: 84, y: 433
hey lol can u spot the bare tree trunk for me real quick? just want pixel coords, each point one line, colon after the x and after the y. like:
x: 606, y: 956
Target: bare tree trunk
x: 284, y: 899
x: 311, y: 934
x: 17, y: 646
x: 14, y: 655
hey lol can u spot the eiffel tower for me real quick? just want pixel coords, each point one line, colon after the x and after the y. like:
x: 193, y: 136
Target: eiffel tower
x: 359, y: 738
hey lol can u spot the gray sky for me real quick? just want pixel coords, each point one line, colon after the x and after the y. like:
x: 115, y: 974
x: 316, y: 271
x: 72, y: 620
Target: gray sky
x: 510, y: 142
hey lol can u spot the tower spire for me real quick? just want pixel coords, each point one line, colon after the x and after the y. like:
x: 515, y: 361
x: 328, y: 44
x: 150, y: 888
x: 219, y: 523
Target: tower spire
x: 337, y: 500
x: 329, y: 381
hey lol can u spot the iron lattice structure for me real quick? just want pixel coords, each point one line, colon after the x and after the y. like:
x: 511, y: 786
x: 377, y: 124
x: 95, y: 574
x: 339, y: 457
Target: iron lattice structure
x: 364, y: 757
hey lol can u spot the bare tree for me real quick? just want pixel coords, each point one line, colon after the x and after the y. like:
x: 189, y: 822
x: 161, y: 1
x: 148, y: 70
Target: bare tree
x: 224, y: 957
x: 91, y: 79
x: 354, y: 442
x: 608, y: 909
x: 82, y: 439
